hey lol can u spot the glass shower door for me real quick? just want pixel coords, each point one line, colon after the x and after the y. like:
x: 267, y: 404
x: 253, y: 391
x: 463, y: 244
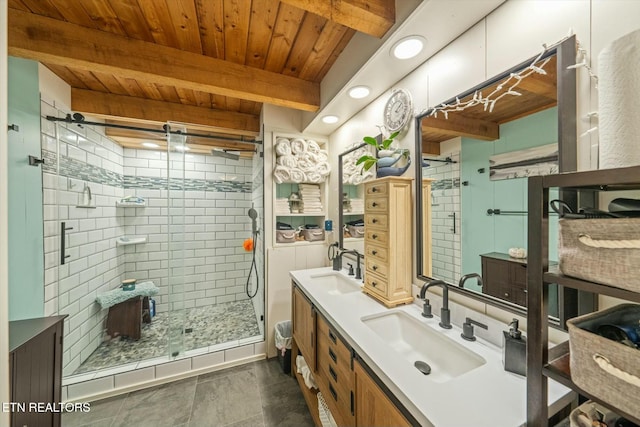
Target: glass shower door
x: 176, y: 220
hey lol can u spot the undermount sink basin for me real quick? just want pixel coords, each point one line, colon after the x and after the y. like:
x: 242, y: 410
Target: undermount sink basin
x: 420, y: 345
x: 335, y: 283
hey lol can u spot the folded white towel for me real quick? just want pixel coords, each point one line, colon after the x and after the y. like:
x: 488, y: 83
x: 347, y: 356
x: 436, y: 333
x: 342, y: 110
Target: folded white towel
x: 312, y: 146
x: 323, y: 169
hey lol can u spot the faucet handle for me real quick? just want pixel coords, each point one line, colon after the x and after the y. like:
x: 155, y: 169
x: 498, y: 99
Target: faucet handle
x: 426, y: 309
x: 350, y: 269
x: 467, y: 329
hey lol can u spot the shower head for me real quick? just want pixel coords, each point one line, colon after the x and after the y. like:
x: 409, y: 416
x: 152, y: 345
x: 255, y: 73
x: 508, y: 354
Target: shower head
x: 253, y: 214
x: 225, y: 154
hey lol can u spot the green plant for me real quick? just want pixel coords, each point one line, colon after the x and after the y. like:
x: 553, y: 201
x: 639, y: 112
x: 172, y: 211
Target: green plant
x: 367, y: 161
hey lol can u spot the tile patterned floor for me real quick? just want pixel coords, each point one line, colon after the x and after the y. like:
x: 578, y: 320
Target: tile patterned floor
x: 210, y: 325
x: 257, y: 394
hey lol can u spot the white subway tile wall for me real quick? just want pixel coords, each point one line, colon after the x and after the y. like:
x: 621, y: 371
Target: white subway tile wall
x: 445, y: 203
x: 194, y: 230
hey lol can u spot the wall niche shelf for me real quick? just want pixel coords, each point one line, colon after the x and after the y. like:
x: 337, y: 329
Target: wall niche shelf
x: 543, y: 363
x: 126, y: 241
x: 86, y: 206
x: 131, y: 204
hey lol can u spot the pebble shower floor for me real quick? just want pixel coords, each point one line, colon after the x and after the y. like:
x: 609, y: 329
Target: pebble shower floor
x: 210, y: 325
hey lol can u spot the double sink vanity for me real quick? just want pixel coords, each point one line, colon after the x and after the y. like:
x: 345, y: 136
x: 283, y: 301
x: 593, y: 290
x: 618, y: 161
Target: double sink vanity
x: 370, y: 361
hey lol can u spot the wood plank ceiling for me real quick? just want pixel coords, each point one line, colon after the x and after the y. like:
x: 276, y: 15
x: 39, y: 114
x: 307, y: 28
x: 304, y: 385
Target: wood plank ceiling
x: 208, y: 62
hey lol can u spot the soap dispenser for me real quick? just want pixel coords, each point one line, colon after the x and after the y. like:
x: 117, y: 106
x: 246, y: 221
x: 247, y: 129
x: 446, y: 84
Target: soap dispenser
x: 514, y: 350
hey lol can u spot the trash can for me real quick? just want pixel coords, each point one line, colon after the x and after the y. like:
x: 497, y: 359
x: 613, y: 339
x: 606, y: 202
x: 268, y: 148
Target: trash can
x: 283, y: 344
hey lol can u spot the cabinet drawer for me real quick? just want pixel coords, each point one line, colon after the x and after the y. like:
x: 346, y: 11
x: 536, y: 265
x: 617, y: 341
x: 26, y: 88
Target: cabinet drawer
x: 378, y: 267
x: 379, y: 220
x: 378, y: 252
x: 376, y: 204
x: 375, y: 283
x: 376, y: 189
x: 380, y: 237
x: 333, y: 352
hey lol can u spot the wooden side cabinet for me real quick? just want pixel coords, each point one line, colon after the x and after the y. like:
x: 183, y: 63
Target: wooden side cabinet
x: 373, y: 407
x: 35, y: 366
x: 304, y: 327
x: 505, y: 277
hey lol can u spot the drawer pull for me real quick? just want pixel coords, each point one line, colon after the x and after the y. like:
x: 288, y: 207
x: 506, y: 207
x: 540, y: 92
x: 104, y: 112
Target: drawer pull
x: 352, y: 404
x: 374, y: 236
x: 506, y: 294
x: 374, y: 284
x: 374, y: 204
x: 333, y: 393
x: 374, y: 190
x: 375, y: 267
x: 373, y: 221
x: 333, y: 356
x: 374, y: 252
x: 332, y: 337
x: 333, y: 374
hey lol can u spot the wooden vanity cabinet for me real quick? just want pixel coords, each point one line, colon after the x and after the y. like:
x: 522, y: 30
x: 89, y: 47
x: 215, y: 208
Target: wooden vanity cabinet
x: 335, y: 374
x: 388, y: 240
x: 373, y: 407
x: 505, y: 277
x: 304, y: 327
x: 35, y: 369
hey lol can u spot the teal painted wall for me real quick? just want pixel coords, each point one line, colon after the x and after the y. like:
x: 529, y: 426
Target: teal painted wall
x: 26, y: 251
x: 482, y: 233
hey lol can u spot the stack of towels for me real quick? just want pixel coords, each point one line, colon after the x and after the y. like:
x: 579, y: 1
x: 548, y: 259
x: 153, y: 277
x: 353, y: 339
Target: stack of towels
x: 299, y: 160
x: 282, y: 207
x: 310, y: 195
x: 352, y: 174
x: 357, y: 205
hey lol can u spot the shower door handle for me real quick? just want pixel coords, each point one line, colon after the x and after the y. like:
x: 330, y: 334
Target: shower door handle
x: 63, y: 235
x: 453, y: 215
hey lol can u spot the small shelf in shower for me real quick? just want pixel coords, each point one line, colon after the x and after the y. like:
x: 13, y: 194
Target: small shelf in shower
x: 133, y: 240
x: 131, y: 204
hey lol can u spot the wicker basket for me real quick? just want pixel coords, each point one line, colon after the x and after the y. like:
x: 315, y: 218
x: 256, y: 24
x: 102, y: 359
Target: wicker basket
x: 356, y: 231
x: 605, y: 368
x: 312, y: 234
x: 286, y: 236
x: 601, y: 250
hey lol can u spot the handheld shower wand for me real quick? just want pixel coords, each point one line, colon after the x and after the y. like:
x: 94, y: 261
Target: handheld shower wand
x: 253, y: 214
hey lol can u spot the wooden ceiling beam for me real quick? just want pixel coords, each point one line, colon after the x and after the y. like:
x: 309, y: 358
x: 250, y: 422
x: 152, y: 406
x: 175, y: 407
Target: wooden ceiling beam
x: 107, y: 105
x: 373, y: 17
x: 62, y: 43
x: 458, y: 125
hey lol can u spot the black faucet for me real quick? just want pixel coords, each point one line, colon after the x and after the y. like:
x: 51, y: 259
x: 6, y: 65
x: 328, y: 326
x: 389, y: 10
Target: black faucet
x: 335, y: 255
x: 358, y: 256
x: 445, y: 313
x: 469, y: 276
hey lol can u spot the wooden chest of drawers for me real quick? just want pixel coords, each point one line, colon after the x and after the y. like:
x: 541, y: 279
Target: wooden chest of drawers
x: 387, y: 242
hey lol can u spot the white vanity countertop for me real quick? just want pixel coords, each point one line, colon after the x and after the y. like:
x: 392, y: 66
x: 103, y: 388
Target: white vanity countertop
x: 485, y: 396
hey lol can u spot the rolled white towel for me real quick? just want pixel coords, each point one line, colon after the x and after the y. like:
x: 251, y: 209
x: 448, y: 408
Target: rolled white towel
x: 314, y: 176
x: 323, y: 168
x: 297, y: 175
x: 368, y: 175
x: 356, y: 179
x: 283, y: 147
x: 322, y: 156
x: 287, y: 160
x: 305, y: 163
x: 298, y: 146
x: 313, y: 147
x: 281, y: 174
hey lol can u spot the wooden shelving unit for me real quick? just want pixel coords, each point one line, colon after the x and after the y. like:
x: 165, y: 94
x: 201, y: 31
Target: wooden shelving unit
x: 543, y: 363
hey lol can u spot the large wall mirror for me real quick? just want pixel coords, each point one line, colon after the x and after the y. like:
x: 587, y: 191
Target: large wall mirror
x: 471, y: 187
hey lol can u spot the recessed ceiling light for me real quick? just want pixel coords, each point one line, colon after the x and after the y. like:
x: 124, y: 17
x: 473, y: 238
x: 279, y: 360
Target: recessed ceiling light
x: 358, y: 92
x: 181, y: 148
x: 150, y: 145
x: 330, y: 119
x: 408, y: 47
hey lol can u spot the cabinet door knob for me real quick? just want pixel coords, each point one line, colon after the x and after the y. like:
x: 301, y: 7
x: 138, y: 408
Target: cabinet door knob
x: 506, y: 294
